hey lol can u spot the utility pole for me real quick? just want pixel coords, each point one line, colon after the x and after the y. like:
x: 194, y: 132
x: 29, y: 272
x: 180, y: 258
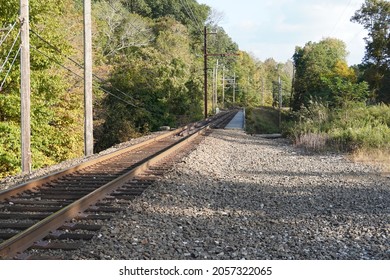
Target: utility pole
x: 206, y: 55
x: 205, y: 70
x: 234, y: 88
x: 88, y: 113
x: 280, y: 101
x: 292, y: 88
x: 223, y: 87
x: 25, y: 89
x: 213, y: 92
x: 216, y: 87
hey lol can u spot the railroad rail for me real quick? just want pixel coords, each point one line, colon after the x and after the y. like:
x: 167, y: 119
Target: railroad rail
x: 44, y: 213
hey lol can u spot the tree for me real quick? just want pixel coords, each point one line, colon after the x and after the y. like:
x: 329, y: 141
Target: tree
x: 374, y: 15
x: 160, y: 81
x: 317, y: 66
x: 56, y: 109
x: 189, y: 12
x: 118, y: 29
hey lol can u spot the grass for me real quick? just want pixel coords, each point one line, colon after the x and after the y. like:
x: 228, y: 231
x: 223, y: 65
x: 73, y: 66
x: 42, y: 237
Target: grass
x: 363, y: 132
x: 374, y: 157
x: 262, y: 120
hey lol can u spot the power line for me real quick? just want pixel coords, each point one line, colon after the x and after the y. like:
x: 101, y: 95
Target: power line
x: 132, y: 24
x: 79, y: 65
x: 9, y: 70
x: 82, y: 78
x: 58, y: 63
x: 355, y: 36
x: 341, y: 17
x: 200, y: 26
x: 56, y: 49
x: 6, y: 35
x: 110, y: 93
x: 9, y: 53
x: 125, y: 94
x: 190, y: 13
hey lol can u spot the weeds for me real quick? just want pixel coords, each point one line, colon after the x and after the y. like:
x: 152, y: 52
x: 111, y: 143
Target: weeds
x: 362, y: 131
x: 263, y: 120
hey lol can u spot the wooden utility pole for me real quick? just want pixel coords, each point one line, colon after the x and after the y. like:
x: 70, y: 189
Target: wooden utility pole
x: 280, y: 101
x: 206, y: 55
x: 25, y: 90
x: 216, y: 88
x: 234, y: 88
x: 88, y: 113
x: 213, y: 92
x: 223, y: 87
x: 205, y: 71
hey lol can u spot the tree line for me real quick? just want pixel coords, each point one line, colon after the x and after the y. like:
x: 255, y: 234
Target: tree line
x: 148, y: 72
x: 340, y: 107
x: 322, y: 73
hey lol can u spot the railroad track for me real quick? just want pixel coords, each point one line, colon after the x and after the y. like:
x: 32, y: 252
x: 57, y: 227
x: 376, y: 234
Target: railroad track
x: 57, y: 211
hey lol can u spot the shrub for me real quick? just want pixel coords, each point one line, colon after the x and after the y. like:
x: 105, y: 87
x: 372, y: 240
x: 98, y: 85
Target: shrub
x: 352, y: 127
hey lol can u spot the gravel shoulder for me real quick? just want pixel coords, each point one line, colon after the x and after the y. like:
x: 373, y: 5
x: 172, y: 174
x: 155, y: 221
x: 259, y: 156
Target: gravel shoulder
x: 245, y: 197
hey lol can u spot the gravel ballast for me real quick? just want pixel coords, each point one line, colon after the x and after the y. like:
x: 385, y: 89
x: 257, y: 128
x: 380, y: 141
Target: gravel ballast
x: 11, y: 181
x: 245, y: 197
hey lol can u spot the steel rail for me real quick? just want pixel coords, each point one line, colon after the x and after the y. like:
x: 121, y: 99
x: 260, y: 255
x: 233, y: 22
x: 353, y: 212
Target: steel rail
x: 30, y: 185
x: 27, y: 238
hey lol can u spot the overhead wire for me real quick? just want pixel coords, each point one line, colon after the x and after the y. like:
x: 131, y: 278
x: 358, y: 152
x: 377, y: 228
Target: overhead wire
x: 81, y: 77
x: 6, y: 35
x: 127, y: 95
x: 81, y: 67
x: 8, y: 57
x: 9, y: 53
x: 110, y: 93
x: 9, y: 69
x: 132, y: 24
x: 56, y: 49
x: 57, y: 62
x: 190, y: 13
x: 341, y: 17
x: 355, y: 36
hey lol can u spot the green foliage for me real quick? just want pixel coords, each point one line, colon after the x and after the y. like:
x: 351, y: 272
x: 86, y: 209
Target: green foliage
x: 263, y: 120
x: 119, y: 30
x: 322, y: 73
x: 55, y: 110
x: 158, y: 79
x: 190, y: 14
x: 341, y: 91
x: 329, y: 98
x: 269, y: 88
x: 149, y: 56
x: 355, y: 126
x: 374, y: 15
x: 9, y: 148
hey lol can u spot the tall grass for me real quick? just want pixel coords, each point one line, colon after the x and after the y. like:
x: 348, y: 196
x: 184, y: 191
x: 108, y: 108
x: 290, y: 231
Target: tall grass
x: 354, y: 127
x: 262, y: 120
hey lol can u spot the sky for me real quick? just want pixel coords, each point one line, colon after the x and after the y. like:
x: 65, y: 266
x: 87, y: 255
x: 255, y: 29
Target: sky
x: 273, y: 28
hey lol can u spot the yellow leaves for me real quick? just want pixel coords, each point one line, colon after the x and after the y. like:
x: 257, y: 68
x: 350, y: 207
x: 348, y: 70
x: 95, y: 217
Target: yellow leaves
x: 342, y: 70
